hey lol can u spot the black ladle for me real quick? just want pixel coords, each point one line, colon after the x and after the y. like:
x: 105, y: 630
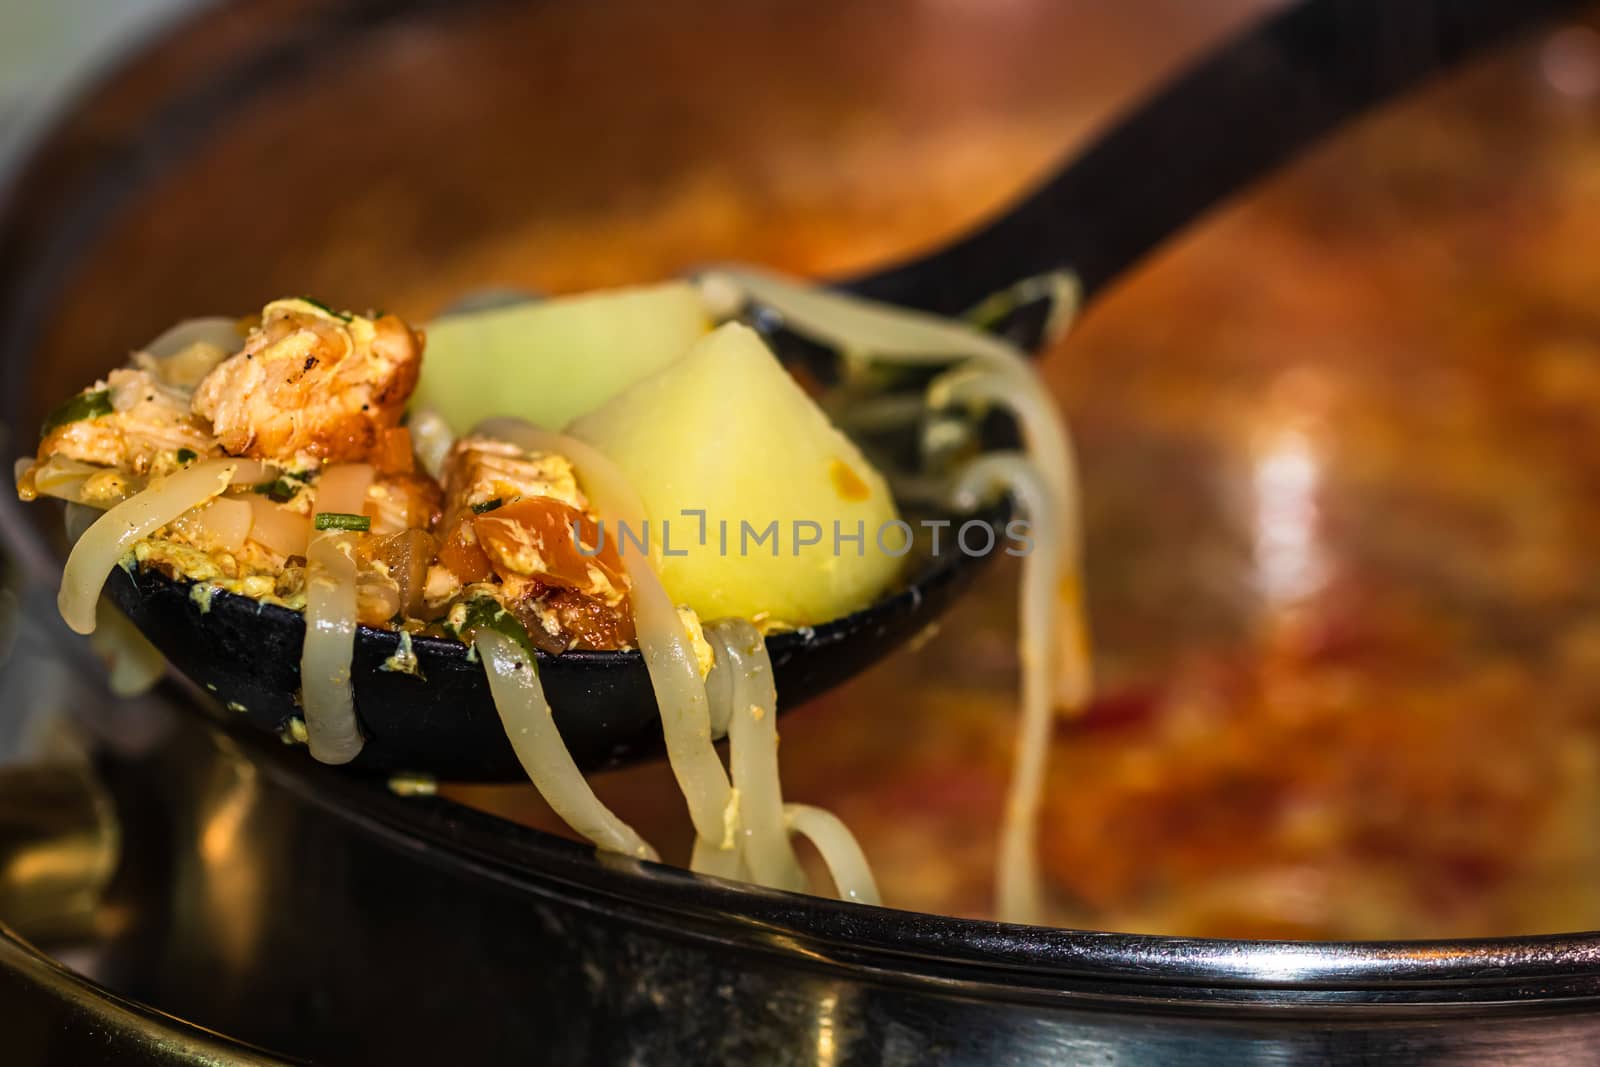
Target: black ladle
x: 1234, y: 117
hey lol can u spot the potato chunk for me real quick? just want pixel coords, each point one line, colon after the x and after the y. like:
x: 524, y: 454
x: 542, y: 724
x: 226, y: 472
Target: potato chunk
x: 726, y: 430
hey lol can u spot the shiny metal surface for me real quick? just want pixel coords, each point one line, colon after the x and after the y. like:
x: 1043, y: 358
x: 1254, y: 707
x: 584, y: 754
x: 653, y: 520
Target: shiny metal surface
x: 54, y: 1018
x: 300, y: 910
x: 58, y: 848
x: 328, y: 918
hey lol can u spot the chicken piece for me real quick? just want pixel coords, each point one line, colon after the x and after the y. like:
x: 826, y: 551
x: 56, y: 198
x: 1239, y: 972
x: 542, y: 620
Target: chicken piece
x: 510, y: 517
x: 312, y: 385
x: 513, y: 513
x: 130, y: 422
x: 481, y: 470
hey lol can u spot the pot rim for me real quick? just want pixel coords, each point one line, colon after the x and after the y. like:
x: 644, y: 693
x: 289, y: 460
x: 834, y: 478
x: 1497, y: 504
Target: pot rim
x: 975, y: 957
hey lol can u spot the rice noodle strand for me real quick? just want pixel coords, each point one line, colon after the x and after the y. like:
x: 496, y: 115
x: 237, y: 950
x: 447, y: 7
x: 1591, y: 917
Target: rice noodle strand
x: 333, y: 734
x: 855, y: 327
x: 752, y: 705
x: 674, y: 672
x: 984, y: 370
x: 115, y: 533
x: 525, y: 714
x: 1049, y: 449
x: 1017, y: 889
x: 711, y: 858
x: 846, y: 863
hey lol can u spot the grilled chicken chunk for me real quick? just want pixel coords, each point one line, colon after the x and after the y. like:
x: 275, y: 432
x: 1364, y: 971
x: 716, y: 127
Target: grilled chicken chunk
x: 482, y: 470
x: 511, y: 515
x: 312, y: 385
x: 130, y: 422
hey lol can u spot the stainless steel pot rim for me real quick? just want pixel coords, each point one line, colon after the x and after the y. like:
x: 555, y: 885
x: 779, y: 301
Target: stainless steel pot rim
x: 979, y: 957
x: 47, y: 990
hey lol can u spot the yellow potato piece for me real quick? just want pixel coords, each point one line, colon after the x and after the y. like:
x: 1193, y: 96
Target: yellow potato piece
x: 553, y: 360
x: 726, y: 430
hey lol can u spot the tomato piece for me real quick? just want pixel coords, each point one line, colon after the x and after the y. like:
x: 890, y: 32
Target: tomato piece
x: 533, y: 538
x: 463, y: 556
x: 394, y: 454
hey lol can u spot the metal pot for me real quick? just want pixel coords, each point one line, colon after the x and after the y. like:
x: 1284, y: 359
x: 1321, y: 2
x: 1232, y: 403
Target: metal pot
x: 322, y: 916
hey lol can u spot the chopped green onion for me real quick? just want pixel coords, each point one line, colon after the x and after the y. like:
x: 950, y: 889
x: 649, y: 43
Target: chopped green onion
x: 488, y: 505
x: 187, y: 455
x: 279, y: 490
x: 342, y: 316
x: 487, y: 613
x: 339, y: 520
x: 83, y: 406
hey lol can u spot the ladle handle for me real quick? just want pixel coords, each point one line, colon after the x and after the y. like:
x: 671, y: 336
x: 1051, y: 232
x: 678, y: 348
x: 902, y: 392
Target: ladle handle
x: 1235, y: 116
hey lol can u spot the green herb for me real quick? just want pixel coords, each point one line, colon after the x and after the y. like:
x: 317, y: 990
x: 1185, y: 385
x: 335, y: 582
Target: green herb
x: 279, y: 490
x: 339, y: 520
x: 342, y: 316
x: 83, y: 406
x: 297, y: 476
x: 487, y: 613
x: 187, y: 455
x: 488, y: 505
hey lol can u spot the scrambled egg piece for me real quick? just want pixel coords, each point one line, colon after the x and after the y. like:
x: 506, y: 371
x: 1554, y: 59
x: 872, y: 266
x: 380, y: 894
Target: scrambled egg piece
x: 222, y: 570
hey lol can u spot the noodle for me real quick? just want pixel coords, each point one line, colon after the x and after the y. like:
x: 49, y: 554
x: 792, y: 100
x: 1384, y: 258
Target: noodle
x: 857, y: 328
x: 77, y: 518
x: 752, y: 703
x: 59, y: 476
x: 987, y: 370
x: 847, y: 865
x: 431, y: 439
x: 325, y: 659
x: 1060, y: 287
x: 215, y: 332
x: 1050, y: 450
x: 713, y: 859
x: 1017, y: 873
x: 674, y: 674
x: 118, y: 530
x: 741, y: 829
x: 136, y: 665
x: 525, y: 713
